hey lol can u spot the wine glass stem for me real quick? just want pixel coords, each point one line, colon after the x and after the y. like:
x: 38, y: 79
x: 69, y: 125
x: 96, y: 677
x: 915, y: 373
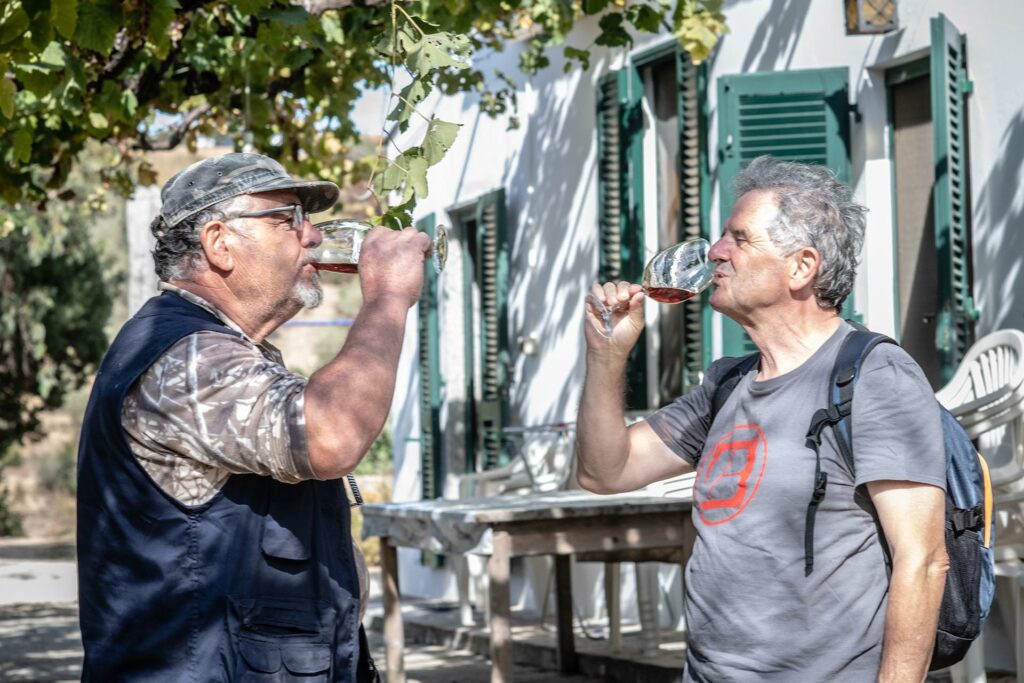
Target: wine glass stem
x: 603, y: 310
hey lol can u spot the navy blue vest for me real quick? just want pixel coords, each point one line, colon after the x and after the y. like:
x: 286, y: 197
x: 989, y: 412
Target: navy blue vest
x: 256, y: 584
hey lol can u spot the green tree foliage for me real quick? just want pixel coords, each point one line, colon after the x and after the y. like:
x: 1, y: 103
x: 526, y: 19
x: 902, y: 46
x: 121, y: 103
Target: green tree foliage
x: 152, y: 74
x: 54, y: 303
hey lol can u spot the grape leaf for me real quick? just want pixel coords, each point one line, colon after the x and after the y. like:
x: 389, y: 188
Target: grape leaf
x: 130, y: 104
x: 411, y: 95
x: 583, y: 56
x: 645, y: 18
x: 390, y: 178
x: 64, y: 14
x: 594, y: 6
x: 23, y: 145
x: 98, y: 24
x: 332, y: 28
x: 416, y: 178
x: 438, y: 140
x: 40, y: 26
x: 161, y: 14
x: 39, y: 78
x: 14, y: 26
x: 251, y: 6
x: 7, y: 93
x: 612, y: 32
x: 53, y: 54
x: 436, y: 51
x: 289, y: 16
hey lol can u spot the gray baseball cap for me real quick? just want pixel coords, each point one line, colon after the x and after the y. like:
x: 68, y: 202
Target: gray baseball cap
x: 213, y: 180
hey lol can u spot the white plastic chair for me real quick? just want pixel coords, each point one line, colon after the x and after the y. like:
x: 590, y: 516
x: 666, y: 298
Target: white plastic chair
x: 543, y: 463
x: 986, y: 395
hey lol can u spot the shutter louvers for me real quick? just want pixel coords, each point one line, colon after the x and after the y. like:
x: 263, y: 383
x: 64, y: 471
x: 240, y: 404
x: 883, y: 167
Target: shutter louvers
x: 790, y: 127
x: 950, y: 85
x: 692, y: 209
x: 430, y: 379
x: 492, y: 254
x: 610, y: 178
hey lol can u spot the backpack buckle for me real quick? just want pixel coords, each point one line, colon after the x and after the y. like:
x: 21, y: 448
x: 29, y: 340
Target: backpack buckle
x: 819, y: 488
x: 822, y: 417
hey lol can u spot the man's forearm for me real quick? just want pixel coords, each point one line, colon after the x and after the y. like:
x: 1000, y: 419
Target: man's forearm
x: 915, y: 593
x: 348, y: 400
x: 601, y: 437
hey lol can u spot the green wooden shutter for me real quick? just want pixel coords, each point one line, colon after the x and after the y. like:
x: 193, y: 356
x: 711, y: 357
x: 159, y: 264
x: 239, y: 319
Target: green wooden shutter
x: 793, y: 115
x: 431, y: 465
x: 693, y: 159
x: 492, y: 277
x: 620, y: 200
x: 950, y: 85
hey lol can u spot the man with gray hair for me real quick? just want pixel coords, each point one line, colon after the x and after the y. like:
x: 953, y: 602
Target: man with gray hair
x: 214, y: 537
x: 755, y: 608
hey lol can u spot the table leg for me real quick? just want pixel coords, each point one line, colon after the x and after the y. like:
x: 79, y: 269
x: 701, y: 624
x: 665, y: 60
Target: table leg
x: 498, y: 570
x: 394, y: 635
x: 613, y: 604
x: 567, y: 662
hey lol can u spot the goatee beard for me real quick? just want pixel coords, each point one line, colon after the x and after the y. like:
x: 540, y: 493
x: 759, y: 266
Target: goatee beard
x: 309, y: 295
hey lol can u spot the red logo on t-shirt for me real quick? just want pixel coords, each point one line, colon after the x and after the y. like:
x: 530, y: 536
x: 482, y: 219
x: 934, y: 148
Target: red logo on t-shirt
x: 728, y: 476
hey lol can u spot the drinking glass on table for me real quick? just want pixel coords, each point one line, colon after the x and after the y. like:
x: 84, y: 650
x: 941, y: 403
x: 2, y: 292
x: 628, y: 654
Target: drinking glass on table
x: 674, y: 275
x: 343, y: 240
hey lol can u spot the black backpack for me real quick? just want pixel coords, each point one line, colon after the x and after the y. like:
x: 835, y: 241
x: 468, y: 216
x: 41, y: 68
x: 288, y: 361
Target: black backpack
x: 970, y: 526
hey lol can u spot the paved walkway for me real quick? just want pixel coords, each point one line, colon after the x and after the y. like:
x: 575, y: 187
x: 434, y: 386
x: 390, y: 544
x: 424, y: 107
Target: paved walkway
x: 40, y: 642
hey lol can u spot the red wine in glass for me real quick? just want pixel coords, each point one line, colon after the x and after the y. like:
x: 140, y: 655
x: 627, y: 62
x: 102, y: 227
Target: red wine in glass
x: 669, y: 295
x: 337, y: 267
x: 674, y: 275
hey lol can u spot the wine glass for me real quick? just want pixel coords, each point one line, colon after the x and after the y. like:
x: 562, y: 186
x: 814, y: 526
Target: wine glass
x: 343, y: 240
x: 674, y: 275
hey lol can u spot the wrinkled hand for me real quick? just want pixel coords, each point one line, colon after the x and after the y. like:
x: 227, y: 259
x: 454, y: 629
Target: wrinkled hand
x: 614, y: 317
x: 391, y: 264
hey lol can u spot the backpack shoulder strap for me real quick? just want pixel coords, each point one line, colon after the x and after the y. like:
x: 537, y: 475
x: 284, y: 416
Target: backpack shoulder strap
x: 855, y: 348
x: 740, y: 366
x: 842, y: 380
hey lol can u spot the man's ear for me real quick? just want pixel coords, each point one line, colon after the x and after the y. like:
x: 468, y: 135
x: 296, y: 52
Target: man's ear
x: 803, y: 267
x: 216, y: 238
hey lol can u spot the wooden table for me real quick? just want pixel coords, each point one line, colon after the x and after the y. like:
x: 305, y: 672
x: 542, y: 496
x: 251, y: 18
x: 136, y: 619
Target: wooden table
x: 620, y: 528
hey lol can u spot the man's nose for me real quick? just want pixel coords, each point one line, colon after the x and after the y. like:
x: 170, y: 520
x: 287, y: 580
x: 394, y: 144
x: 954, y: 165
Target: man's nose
x: 311, y: 237
x: 719, y: 251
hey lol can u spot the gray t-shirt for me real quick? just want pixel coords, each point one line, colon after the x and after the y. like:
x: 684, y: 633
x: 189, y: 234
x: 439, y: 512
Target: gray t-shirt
x: 751, y: 613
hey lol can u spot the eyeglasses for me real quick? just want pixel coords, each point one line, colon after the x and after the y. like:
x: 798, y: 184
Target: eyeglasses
x: 298, y: 214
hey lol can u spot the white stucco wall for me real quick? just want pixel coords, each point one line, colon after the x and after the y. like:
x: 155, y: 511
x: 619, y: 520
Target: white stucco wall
x: 547, y: 168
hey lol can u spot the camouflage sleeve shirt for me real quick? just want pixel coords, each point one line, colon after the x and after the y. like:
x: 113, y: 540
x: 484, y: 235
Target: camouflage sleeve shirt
x: 214, y: 405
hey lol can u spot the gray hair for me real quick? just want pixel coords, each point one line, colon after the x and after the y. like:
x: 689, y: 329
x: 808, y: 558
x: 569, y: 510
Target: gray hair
x: 815, y: 210
x: 179, y: 254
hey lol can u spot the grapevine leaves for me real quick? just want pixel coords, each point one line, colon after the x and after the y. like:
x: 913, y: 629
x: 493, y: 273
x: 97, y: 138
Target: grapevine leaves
x: 408, y: 171
x: 266, y: 73
x: 426, y: 56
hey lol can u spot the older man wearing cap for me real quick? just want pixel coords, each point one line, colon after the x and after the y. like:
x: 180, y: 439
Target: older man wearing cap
x: 213, y: 527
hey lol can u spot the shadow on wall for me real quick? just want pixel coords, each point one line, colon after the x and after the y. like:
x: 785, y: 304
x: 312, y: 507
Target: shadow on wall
x: 777, y: 35
x: 551, y: 183
x: 999, y: 235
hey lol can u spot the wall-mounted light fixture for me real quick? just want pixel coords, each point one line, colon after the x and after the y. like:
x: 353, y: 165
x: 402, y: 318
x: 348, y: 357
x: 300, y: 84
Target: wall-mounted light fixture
x: 870, y: 16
